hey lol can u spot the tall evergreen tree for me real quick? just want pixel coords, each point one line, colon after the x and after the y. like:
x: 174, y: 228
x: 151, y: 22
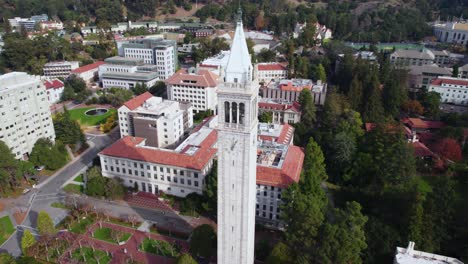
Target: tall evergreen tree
x: 308, y: 108
x: 373, y: 108
x: 355, y: 94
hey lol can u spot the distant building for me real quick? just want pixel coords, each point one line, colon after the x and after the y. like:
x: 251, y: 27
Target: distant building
x: 188, y: 48
x: 28, y: 23
x: 452, y: 32
x: 60, y: 69
x: 159, y: 52
x: 195, y: 86
x: 215, y: 63
x: 451, y: 90
x: 282, y: 112
x: 161, y: 122
x: 289, y: 90
x: 463, y: 72
x: 89, y: 72
x: 24, y: 113
x: 273, y: 71
x: 321, y: 31
x: 403, y: 58
x: 127, y: 73
x: 421, y: 76
x: 51, y: 25
x: 203, y: 33
x: 411, y: 256
x: 54, y: 90
x: 120, y: 28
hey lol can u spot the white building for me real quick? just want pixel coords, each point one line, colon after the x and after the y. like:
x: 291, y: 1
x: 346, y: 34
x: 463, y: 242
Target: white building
x: 161, y: 122
x: 60, y: 69
x: 216, y: 63
x: 421, y: 76
x: 24, y: 112
x: 411, y: 256
x: 119, y: 28
x: 404, y: 58
x: 451, y: 90
x: 88, y: 72
x: 271, y: 71
x: 321, y: 31
x: 188, y: 48
x: 159, y: 52
x: 197, y: 87
x: 237, y: 128
x: 282, y: 112
x: 126, y: 73
x: 54, y: 90
x: 452, y: 32
x: 289, y: 90
x: 177, y: 172
x: 51, y: 25
x: 28, y: 23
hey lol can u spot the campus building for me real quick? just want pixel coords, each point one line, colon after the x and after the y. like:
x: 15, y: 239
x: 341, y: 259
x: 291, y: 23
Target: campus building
x: 54, y: 90
x: 421, y: 76
x: 195, y: 86
x: 89, y: 73
x: 159, y: 52
x: 161, y: 123
x: 24, y: 112
x: 282, y: 112
x: 411, y: 256
x: 451, y: 90
x: 271, y: 72
x: 455, y: 32
x: 60, y: 69
x: 123, y: 72
x: 289, y: 90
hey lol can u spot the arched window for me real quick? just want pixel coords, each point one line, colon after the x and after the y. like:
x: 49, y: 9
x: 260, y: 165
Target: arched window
x: 234, y: 113
x: 227, y: 112
x: 241, y: 113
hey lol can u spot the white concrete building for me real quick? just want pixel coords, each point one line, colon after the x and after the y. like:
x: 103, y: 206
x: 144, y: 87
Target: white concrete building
x: 282, y: 112
x: 54, y: 90
x: 24, y: 112
x: 197, y: 87
x: 159, y: 52
x: 29, y: 24
x: 451, y: 90
x: 421, y: 76
x: 289, y: 90
x: 161, y: 122
x: 403, y: 58
x: 452, y: 32
x: 120, y: 28
x: 321, y: 31
x: 216, y: 63
x: 237, y: 128
x: 60, y: 69
x: 411, y: 256
x: 126, y: 73
x: 89, y: 72
x: 271, y: 71
x: 51, y: 25
x: 176, y: 172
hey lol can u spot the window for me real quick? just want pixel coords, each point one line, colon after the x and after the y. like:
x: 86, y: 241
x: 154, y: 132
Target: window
x: 195, y: 175
x: 169, y: 178
x: 142, y: 174
x: 189, y: 182
x: 182, y: 181
x: 195, y: 183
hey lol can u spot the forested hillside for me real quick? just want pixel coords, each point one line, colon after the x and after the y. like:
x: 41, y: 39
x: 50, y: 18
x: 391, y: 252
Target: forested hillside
x: 377, y: 20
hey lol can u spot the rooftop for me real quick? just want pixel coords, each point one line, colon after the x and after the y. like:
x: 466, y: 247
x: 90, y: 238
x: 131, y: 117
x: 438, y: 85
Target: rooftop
x: 281, y: 134
x: 15, y: 80
x: 271, y: 67
x: 219, y: 60
x: 441, y: 81
x: 124, y: 61
x: 157, y: 106
x: 53, y: 84
x: 414, y: 54
x: 58, y: 63
x: 137, y: 101
x: 203, y: 78
x: 265, y: 103
x: 411, y: 256
x: 135, y: 76
x: 418, y: 123
x: 89, y: 67
x: 433, y: 68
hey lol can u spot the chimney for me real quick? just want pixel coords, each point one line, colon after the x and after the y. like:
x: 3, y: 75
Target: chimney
x: 410, y: 249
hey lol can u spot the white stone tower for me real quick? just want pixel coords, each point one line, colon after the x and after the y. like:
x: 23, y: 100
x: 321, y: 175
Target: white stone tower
x: 237, y: 146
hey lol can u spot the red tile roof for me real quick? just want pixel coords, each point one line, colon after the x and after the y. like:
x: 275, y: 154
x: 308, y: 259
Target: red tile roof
x: 272, y: 67
x: 130, y: 148
x: 285, y: 136
x: 418, y: 123
x: 93, y: 66
x: 203, y: 78
x: 295, y: 106
x: 440, y: 81
x: 290, y: 87
x: 420, y: 150
x: 138, y: 101
x: 54, y: 84
x: 288, y: 174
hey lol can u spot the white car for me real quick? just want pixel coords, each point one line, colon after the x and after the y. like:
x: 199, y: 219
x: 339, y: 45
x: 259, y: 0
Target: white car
x: 26, y: 191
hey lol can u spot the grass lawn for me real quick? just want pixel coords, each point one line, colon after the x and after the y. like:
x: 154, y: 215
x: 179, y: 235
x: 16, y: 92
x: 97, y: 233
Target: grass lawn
x: 73, y: 188
x: 83, y: 119
x: 158, y: 247
x: 79, y: 178
x: 154, y: 229
x: 6, y: 228
x: 106, y: 234
x: 58, y: 205
x: 82, y: 226
x: 87, y: 255
x: 121, y: 222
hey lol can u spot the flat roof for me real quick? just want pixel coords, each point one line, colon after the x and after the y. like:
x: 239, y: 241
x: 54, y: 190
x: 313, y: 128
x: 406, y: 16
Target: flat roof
x: 134, y: 76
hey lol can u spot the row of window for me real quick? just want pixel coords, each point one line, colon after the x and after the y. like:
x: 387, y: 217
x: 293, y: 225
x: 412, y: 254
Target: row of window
x: 150, y: 168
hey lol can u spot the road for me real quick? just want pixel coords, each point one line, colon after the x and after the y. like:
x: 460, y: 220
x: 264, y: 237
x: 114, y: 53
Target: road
x: 50, y: 191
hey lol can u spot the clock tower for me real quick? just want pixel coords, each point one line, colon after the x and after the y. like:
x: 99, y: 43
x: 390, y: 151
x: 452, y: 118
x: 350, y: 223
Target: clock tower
x: 237, y: 145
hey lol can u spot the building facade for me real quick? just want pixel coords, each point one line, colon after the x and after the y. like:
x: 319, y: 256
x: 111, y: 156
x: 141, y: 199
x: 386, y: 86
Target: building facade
x: 451, y: 90
x: 271, y: 72
x: 409, y: 256
x: 452, y: 32
x: 54, y: 90
x: 420, y: 77
x: 403, y: 58
x: 282, y: 112
x: 24, y: 112
x: 289, y: 90
x: 123, y: 72
x: 161, y: 122
x: 89, y: 73
x: 197, y: 87
x: 237, y: 129
x: 60, y: 69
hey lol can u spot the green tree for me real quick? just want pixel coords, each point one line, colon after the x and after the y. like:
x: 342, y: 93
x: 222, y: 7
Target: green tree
x: 186, y: 259
x: 9, y: 179
x: 373, y: 107
x: 395, y: 92
x: 320, y: 73
x: 266, y: 117
x: 140, y: 88
x: 203, y: 242
x: 314, y: 161
x: 67, y: 130
x: 27, y: 240
x: 431, y: 102
x: 355, y: 94
x: 281, y: 254
x: 96, y: 186
x: 307, y: 108
x: 455, y: 70
x: 210, y: 192
x: 53, y: 156
x: 266, y: 55
x: 159, y: 89
x: 6, y: 258
x: 45, y: 225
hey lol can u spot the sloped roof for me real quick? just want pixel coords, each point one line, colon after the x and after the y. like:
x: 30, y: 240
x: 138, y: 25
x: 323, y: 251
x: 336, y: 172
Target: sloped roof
x: 453, y: 81
x: 418, y: 123
x: 203, y: 78
x: 271, y: 67
x: 239, y: 59
x: 420, y: 150
x: 53, y: 84
x: 138, y: 101
x: 93, y: 66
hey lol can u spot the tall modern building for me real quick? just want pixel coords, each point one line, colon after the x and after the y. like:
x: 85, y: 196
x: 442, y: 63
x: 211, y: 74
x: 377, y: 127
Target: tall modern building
x: 24, y: 112
x: 237, y: 145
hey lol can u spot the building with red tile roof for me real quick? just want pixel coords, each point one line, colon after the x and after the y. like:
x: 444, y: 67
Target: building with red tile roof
x: 288, y: 90
x: 282, y: 112
x: 54, y: 89
x: 281, y: 134
x: 184, y: 84
x: 420, y: 125
x: 137, y: 101
x: 451, y: 90
x: 272, y: 71
x: 88, y: 72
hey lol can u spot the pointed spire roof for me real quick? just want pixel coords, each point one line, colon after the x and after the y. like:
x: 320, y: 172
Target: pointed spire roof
x: 239, y: 63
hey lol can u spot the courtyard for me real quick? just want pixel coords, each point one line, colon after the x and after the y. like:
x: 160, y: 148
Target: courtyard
x: 92, y: 116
